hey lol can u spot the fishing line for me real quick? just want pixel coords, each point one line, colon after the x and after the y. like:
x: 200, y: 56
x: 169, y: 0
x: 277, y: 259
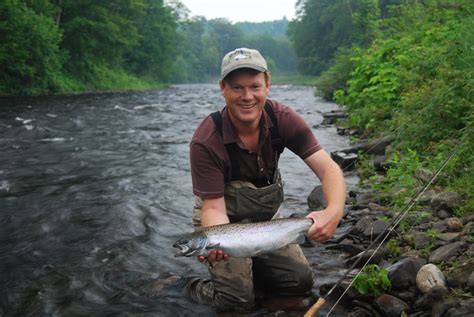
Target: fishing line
x: 385, y: 234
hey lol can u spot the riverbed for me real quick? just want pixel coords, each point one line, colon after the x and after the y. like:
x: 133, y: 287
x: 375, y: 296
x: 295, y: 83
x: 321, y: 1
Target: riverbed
x: 95, y: 188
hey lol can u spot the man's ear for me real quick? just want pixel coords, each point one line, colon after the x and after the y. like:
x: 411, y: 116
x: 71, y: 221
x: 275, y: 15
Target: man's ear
x: 222, y: 86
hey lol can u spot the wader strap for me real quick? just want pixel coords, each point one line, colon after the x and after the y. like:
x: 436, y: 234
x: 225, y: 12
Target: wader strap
x: 232, y: 148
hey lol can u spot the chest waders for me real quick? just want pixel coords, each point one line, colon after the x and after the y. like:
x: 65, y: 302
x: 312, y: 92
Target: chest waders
x: 244, y: 201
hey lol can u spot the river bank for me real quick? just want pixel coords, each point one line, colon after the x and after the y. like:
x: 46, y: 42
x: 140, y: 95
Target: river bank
x: 428, y: 257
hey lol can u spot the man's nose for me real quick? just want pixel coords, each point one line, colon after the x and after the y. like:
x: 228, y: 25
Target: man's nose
x: 247, y: 94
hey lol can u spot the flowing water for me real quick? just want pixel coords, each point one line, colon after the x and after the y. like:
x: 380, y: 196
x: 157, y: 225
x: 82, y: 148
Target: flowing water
x: 94, y: 189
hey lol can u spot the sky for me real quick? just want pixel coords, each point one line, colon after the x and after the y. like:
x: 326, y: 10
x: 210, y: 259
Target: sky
x: 243, y: 10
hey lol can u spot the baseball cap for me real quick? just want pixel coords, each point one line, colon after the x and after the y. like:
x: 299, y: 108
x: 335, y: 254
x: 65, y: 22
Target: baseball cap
x: 242, y: 58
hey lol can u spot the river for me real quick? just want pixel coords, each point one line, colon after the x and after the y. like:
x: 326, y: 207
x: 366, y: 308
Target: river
x: 95, y: 188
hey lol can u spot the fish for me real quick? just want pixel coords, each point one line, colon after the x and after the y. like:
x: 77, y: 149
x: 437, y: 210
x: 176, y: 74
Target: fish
x: 244, y: 239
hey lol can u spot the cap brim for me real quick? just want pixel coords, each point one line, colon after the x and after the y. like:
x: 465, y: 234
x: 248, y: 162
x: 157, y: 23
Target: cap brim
x: 256, y: 67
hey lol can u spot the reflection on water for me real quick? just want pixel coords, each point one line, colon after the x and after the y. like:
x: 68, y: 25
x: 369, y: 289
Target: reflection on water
x: 95, y: 188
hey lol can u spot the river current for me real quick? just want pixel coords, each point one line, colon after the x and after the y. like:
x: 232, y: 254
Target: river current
x: 95, y: 188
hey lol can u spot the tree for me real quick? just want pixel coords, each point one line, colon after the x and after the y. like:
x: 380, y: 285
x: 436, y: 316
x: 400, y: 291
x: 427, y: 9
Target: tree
x: 30, y: 57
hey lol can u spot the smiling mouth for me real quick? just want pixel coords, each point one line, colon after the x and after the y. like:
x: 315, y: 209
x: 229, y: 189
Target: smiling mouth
x: 247, y: 106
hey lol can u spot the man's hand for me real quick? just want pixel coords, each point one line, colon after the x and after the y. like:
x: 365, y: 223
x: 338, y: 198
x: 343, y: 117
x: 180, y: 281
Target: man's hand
x: 214, y: 256
x: 325, y: 224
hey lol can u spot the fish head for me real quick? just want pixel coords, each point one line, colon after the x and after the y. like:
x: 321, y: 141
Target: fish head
x: 192, y: 244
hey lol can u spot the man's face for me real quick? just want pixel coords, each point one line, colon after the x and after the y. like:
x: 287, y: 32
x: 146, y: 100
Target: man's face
x: 245, y: 93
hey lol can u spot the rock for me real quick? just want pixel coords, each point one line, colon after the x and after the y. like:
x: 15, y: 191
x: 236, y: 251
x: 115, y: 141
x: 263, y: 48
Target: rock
x: 428, y: 277
x: 364, y: 307
x: 341, y: 233
x: 363, y: 223
x: 441, y: 307
x: 316, y: 199
x: 459, y: 276
x: 450, y: 236
x: 391, y: 306
x: 462, y: 309
x: 345, y: 160
x: 375, y: 228
x: 446, y: 200
x: 402, y: 274
x: 470, y: 283
x: 381, y: 163
x: 444, y: 253
x: 364, y: 257
x: 375, y: 147
x: 443, y: 214
x: 423, y: 175
x: 454, y: 224
x: 431, y: 297
x: 408, y: 294
x: 332, y: 116
x: 377, y: 207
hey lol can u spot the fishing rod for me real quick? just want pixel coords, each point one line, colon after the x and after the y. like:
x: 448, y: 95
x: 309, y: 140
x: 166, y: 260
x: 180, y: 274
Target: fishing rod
x: 312, y: 311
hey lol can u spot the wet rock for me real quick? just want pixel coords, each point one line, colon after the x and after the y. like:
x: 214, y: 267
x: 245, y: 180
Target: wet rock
x: 444, y: 253
x: 428, y: 277
x: 431, y: 297
x: 375, y: 228
x: 351, y: 294
x: 463, y: 309
x: 345, y: 160
x: 446, y: 200
x: 375, y: 147
x: 346, y: 247
x: 341, y: 233
x: 391, y: 306
x: 408, y: 294
x: 441, y: 307
x: 364, y: 307
x: 332, y: 116
x: 363, y: 257
x: 402, y: 274
x: 316, y: 199
x: 381, y: 163
x: 454, y: 224
x: 363, y: 223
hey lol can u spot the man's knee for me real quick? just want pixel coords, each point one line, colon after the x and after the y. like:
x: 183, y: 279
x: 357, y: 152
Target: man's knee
x: 235, y: 300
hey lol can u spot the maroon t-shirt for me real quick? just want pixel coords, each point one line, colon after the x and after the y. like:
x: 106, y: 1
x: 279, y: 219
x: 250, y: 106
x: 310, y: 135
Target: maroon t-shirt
x: 210, y: 164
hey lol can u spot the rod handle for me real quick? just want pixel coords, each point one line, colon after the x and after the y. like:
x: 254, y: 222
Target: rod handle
x: 313, y: 310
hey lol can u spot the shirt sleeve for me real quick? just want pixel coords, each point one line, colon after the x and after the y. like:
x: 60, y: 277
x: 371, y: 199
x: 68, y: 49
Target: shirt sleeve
x: 207, y: 172
x: 297, y: 135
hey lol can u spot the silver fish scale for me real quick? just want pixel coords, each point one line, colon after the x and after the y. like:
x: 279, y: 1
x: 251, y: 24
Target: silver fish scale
x: 251, y: 239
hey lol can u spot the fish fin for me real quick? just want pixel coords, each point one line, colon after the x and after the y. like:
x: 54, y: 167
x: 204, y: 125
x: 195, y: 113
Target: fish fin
x: 300, y: 239
x: 213, y: 246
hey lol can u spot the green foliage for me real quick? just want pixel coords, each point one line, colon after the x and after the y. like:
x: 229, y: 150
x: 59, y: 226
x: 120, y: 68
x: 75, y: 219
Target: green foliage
x: 393, y: 247
x: 336, y: 76
x: 30, y: 57
x: 415, y: 82
x: 322, y: 27
x: 372, y: 280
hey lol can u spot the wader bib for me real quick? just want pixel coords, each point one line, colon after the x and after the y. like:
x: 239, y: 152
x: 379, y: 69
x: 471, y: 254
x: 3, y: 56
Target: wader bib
x: 233, y: 284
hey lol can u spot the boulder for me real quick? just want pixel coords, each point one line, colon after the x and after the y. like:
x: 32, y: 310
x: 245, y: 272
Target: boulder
x: 345, y: 160
x: 428, y: 277
x: 316, y: 199
x: 332, y: 116
x: 446, y: 200
x: 391, y: 306
x: 402, y: 274
x: 444, y: 253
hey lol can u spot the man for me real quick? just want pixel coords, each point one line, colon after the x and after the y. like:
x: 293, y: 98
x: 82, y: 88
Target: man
x: 234, y: 155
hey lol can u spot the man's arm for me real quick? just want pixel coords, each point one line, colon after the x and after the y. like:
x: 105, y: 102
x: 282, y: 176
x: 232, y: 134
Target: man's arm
x: 334, y: 189
x: 213, y: 212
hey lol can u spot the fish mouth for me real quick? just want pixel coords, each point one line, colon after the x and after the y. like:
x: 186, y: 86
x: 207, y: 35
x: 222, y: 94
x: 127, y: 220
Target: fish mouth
x: 183, y: 250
